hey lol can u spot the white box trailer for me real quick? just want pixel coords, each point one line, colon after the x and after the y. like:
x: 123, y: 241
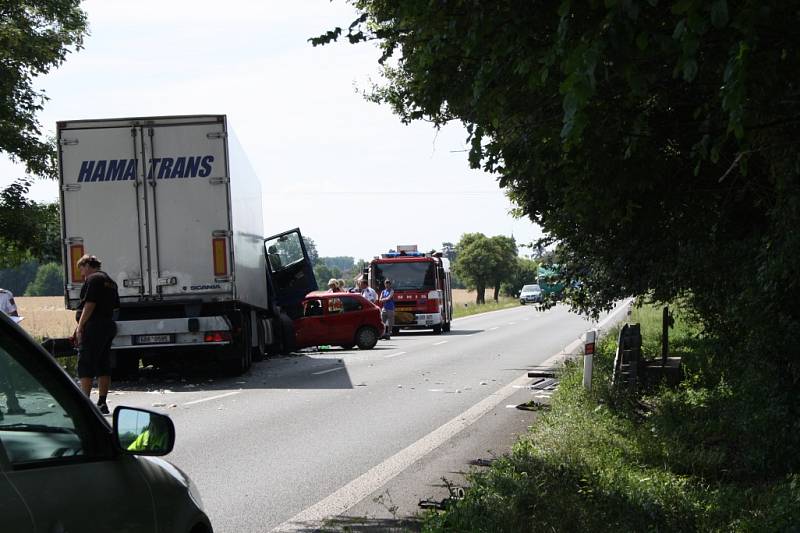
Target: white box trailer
x: 172, y: 208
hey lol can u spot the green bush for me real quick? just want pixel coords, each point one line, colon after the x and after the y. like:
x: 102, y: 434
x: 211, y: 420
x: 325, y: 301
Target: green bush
x: 49, y: 281
x: 716, y: 454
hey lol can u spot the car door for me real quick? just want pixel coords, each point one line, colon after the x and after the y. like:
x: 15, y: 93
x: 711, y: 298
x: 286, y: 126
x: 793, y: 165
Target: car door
x: 311, y: 329
x: 343, y: 317
x: 58, y: 452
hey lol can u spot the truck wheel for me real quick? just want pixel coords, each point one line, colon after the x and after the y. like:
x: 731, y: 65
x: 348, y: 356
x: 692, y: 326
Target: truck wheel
x: 446, y: 327
x: 437, y: 329
x: 366, y: 338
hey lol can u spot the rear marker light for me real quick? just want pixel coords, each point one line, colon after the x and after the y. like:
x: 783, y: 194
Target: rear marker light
x: 217, y: 336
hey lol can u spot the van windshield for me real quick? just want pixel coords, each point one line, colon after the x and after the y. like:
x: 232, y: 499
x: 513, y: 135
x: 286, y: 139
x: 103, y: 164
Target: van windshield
x: 531, y: 288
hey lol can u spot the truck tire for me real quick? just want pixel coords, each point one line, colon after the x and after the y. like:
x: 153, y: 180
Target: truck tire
x: 395, y: 330
x: 446, y: 327
x: 366, y: 337
x: 437, y: 329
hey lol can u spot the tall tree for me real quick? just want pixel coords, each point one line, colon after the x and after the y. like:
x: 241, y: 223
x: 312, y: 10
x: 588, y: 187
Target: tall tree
x: 655, y: 142
x: 505, y: 263
x: 311, y: 249
x: 28, y: 230
x: 474, y: 263
x: 35, y: 36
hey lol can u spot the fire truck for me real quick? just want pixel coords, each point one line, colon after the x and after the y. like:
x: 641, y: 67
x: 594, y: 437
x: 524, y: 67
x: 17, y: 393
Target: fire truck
x: 421, y: 282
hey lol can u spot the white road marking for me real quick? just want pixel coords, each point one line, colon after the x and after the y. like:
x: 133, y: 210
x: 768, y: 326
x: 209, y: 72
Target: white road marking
x: 327, y: 371
x: 440, y: 342
x: 394, y: 354
x: 217, y: 397
x: 511, y: 406
x: 361, y: 487
x: 494, y: 328
x: 511, y: 323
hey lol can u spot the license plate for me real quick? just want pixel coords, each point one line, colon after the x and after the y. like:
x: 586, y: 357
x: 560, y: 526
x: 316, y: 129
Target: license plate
x: 152, y: 339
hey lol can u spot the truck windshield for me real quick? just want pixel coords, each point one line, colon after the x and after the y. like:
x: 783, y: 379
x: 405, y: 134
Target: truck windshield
x: 284, y: 251
x: 418, y: 275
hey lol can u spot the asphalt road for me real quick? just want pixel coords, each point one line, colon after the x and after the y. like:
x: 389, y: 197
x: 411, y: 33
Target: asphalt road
x: 303, y: 438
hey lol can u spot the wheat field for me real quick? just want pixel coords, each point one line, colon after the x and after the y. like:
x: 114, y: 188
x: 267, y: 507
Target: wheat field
x: 45, y: 316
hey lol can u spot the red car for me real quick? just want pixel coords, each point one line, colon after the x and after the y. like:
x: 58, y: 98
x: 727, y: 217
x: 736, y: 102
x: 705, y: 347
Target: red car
x: 345, y: 319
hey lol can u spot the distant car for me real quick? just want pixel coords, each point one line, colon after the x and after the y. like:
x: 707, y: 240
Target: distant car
x: 63, y: 468
x: 530, y: 294
x: 343, y: 319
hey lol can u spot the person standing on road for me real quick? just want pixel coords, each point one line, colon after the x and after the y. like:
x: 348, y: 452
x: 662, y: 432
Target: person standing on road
x: 387, y: 313
x: 96, y: 328
x: 367, y: 291
x: 333, y: 285
x: 9, y: 307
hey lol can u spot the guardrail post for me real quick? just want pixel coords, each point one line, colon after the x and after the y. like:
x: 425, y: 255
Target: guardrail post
x: 588, y: 354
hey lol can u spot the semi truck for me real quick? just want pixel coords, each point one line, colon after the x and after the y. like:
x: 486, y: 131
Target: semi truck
x: 421, y: 282
x: 172, y: 209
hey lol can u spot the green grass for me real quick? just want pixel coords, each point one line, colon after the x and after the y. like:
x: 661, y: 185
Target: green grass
x: 471, y: 308
x: 692, y: 459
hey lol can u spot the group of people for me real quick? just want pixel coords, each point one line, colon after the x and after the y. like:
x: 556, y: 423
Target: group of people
x: 385, y: 300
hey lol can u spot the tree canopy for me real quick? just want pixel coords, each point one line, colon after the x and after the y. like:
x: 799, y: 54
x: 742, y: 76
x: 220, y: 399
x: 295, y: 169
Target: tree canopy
x: 483, y: 262
x: 28, y: 230
x: 654, y: 142
x: 34, y: 38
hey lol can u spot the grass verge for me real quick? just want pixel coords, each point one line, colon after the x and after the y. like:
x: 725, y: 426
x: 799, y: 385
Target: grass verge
x: 471, y: 308
x: 667, y: 460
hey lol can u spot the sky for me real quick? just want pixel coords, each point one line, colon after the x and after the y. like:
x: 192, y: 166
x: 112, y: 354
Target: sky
x: 346, y: 171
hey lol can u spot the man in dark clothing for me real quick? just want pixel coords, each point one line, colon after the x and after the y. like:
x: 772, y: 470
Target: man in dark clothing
x: 96, y: 328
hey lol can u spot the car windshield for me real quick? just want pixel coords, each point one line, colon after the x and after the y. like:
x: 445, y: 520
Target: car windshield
x: 531, y: 288
x: 417, y: 275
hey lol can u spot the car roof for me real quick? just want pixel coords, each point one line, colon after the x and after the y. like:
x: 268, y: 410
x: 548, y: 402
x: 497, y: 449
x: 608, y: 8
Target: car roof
x: 325, y: 294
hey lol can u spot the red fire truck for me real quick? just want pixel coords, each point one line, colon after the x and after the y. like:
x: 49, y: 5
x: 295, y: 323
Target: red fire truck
x: 421, y: 282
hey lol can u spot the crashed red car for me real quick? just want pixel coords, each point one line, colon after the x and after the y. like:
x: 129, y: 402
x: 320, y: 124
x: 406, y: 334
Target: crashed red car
x: 343, y: 319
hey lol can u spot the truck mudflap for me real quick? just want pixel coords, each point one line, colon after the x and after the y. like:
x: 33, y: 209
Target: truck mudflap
x: 161, y: 333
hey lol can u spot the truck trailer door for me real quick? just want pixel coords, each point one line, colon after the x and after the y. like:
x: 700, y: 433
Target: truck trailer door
x: 100, y: 169
x: 188, y: 245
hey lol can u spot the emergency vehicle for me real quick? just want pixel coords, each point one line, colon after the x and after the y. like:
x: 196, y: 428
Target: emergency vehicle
x: 421, y: 282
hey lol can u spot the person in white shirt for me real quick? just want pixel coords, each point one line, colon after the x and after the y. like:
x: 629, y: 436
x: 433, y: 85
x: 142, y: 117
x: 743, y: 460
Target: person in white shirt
x: 367, y: 291
x: 9, y: 307
x: 7, y: 304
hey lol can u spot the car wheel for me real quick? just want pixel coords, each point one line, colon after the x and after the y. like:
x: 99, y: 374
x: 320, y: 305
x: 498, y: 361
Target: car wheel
x: 366, y: 338
x: 522, y: 302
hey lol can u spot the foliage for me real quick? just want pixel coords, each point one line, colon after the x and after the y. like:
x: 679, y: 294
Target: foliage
x: 323, y: 273
x: 655, y: 142
x: 485, y: 262
x: 34, y: 38
x: 601, y: 461
x: 524, y: 273
x: 16, y: 279
x: 342, y: 263
x: 49, y: 281
x: 28, y: 230
x: 311, y: 250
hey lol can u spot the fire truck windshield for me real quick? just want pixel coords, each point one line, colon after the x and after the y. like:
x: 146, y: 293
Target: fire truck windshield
x: 419, y: 276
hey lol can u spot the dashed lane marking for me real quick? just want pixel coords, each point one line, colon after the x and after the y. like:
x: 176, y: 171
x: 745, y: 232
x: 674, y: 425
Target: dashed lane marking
x: 217, y: 397
x: 440, y: 342
x: 393, y: 355
x: 327, y: 371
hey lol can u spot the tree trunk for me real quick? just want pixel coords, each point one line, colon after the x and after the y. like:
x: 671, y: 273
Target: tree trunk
x: 496, y: 292
x: 480, y: 294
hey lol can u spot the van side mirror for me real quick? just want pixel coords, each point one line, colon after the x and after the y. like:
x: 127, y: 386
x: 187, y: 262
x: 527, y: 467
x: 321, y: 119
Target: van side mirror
x: 143, y: 432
